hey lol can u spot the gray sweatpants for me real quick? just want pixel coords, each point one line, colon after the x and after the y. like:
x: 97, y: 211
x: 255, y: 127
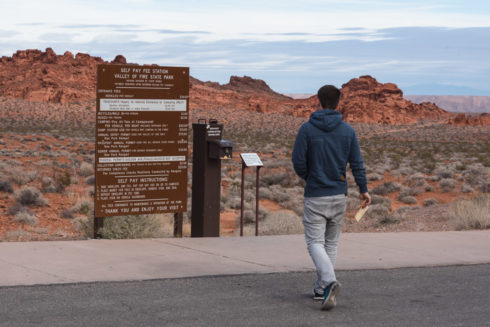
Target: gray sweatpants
x: 322, y: 219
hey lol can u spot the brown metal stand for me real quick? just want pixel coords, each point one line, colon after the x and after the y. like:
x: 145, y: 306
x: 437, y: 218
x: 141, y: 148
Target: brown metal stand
x: 178, y: 224
x: 257, y: 182
x: 242, y: 196
x: 257, y: 202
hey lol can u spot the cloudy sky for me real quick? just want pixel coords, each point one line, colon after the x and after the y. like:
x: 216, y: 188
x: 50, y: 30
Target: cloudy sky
x: 426, y: 47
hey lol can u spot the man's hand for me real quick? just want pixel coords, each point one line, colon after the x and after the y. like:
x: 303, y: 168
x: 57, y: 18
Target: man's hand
x: 365, y: 199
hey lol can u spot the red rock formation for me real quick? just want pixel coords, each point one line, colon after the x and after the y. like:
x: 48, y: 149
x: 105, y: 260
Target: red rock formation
x: 244, y: 93
x: 366, y: 100
x: 47, y: 77
x: 470, y: 120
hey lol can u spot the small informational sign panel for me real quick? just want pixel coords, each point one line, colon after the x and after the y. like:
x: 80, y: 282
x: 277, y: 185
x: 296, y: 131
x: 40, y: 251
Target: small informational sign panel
x: 251, y: 159
x: 141, y: 139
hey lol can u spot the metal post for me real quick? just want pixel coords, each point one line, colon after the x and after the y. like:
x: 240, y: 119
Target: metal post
x: 257, y: 203
x: 178, y: 224
x: 242, y: 197
x: 98, y: 225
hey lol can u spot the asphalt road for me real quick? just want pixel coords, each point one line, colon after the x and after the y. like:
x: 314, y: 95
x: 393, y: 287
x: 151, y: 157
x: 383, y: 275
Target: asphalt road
x: 442, y: 296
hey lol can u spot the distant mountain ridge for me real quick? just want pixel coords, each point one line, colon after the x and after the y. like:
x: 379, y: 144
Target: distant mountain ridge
x: 455, y: 103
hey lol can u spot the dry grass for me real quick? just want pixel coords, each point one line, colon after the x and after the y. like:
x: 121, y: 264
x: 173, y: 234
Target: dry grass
x: 472, y: 213
x: 277, y: 223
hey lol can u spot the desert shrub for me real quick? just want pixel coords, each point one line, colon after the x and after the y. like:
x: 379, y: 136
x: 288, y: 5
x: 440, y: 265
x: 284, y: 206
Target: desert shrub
x: 386, y: 188
x: 281, y: 223
x: 443, y: 173
x: 377, y: 211
x: 429, y: 202
x: 374, y: 177
x: 410, y: 191
x: 475, y: 175
x: 16, y: 208
x: 275, y: 178
x: 62, y: 180
x: 378, y: 199
x: 295, y: 204
x: 394, y: 217
x: 434, y: 178
x: 389, y: 219
x: 472, y: 213
x: 29, y: 195
x: 265, y: 193
x: 249, y: 215
x: 131, y: 227
x: 233, y: 202
x: 5, y: 185
x: 67, y: 213
x: 404, y: 171
x: 279, y: 194
x: 353, y: 203
x: 417, y: 179
x: 485, y: 187
x: 18, y: 176
x: 25, y: 217
x: 48, y: 185
x: 353, y: 192
x: 86, y: 169
x: 90, y: 180
x: 85, y: 226
x: 407, y: 199
x: 466, y: 188
x: 83, y: 206
x: 447, y: 184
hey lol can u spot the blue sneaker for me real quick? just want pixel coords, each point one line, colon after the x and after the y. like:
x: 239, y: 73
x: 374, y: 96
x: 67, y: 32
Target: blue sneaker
x: 330, y: 296
x: 317, y: 296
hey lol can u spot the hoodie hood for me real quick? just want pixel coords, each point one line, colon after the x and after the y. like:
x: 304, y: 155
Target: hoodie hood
x: 326, y: 119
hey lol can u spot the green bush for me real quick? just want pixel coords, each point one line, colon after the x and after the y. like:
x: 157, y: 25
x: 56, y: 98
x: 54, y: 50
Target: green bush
x: 122, y: 227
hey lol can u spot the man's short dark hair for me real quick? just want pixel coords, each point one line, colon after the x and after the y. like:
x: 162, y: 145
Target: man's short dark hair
x: 329, y: 96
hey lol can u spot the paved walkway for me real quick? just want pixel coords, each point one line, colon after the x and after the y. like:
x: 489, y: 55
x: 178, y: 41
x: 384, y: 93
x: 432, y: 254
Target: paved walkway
x: 34, y: 263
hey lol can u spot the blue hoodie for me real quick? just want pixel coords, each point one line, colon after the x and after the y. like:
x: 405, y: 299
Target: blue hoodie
x: 323, y: 147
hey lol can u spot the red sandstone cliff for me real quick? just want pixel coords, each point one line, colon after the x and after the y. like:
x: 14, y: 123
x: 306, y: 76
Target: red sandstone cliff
x: 470, y: 120
x: 47, y: 77
x: 366, y: 100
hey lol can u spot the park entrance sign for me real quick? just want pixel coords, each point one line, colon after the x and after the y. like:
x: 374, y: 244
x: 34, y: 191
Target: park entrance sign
x: 141, y: 140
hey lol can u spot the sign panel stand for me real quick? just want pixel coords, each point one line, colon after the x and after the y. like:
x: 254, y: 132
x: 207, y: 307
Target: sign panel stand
x: 250, y: 160
x: 141, y: 142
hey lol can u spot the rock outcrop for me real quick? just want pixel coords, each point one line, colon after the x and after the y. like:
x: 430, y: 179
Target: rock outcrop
x: 366, y: 100
x: 470, y: 120
x: 47, y: 77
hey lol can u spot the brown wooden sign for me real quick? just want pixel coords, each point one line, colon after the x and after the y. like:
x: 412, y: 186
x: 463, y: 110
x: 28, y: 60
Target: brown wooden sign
x: 141, y: 139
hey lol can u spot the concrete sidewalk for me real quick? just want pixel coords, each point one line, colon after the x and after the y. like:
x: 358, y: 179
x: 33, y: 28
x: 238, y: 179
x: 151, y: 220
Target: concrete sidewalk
x: 120, y: 260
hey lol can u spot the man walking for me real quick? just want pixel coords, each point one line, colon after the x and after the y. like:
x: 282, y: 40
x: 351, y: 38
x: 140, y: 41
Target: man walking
x: 323, y: 147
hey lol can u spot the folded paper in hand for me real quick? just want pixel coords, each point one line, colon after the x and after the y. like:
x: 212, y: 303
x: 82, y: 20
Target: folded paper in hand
x: 361, y: 213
